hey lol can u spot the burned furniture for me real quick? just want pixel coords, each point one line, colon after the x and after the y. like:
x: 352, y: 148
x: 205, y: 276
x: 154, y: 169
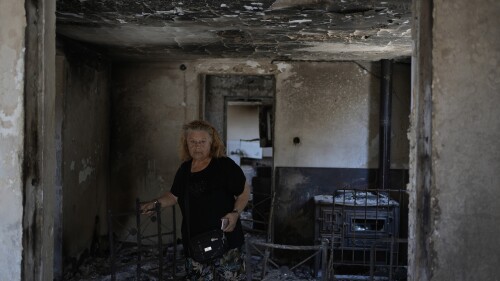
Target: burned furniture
x: 363, y: 229
x: 260, y: 250
x: 146, y: 254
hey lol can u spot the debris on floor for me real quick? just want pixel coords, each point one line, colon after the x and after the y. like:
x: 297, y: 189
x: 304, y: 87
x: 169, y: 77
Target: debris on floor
x: 94, y: 268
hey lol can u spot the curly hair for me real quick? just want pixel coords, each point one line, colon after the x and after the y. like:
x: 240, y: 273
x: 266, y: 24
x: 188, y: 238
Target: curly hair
x: 217, y: 147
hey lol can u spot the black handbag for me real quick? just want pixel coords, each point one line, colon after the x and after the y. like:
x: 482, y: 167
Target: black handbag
x: 208, y: 246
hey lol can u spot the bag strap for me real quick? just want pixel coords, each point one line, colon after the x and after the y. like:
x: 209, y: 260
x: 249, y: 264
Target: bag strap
x: 186, y: 204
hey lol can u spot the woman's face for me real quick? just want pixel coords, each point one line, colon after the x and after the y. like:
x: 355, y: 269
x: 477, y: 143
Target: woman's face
x: 199, y: 143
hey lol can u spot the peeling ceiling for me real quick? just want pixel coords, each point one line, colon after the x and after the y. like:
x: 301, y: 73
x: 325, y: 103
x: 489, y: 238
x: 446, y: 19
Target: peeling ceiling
x: 277, y: 30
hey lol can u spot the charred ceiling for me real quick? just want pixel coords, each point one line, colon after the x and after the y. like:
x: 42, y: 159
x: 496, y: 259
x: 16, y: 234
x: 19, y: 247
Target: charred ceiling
x: 281, y: 29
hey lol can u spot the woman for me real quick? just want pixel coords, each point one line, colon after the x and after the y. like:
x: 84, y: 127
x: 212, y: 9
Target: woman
x: 216, y: 190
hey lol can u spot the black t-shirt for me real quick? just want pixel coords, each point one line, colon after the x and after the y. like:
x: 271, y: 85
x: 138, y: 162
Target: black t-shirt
x: 211, y: 196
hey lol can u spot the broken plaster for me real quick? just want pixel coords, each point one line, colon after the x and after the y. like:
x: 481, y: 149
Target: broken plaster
x: 9, y: 123
x: 285, y: 70
x: 86, y: 171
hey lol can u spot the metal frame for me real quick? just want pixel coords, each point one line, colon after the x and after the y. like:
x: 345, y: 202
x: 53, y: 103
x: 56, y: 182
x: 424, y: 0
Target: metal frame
x: 363, y: 250
x: 263, y: 249
x: 140, y: 248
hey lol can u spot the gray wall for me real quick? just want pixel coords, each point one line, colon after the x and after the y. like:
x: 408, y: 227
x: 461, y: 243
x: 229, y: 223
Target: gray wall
x: 465, y: 141
x: 334, y: 109
x: 12, y: 24
x: 83, y: 81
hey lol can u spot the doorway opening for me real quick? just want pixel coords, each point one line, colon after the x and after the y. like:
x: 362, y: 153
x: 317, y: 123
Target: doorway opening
x: 241, y: 107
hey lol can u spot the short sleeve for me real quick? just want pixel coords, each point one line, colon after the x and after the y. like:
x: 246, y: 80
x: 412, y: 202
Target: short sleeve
x: 234, y: 175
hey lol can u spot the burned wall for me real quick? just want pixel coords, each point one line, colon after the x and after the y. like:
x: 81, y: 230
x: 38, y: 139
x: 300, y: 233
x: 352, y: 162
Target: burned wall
x: 150, y: 103
x: 12, y: 25
x: 83, y: 83
x: 465, y: 194
x: 333, y: 109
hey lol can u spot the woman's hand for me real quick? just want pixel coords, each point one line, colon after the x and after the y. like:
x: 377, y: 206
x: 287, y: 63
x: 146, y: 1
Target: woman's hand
x: 232, y: 219
x: 149, y: 208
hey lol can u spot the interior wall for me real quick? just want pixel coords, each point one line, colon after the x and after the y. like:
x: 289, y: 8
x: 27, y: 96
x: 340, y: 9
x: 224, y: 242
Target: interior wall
x: 333, y: 108
x: 150, y: 103
x: 84, y: 83
x: 465, y: 192
x: 12, y: 24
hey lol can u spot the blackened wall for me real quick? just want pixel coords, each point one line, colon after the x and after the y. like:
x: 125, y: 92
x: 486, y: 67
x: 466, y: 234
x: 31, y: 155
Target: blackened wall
x: 83, y: 82
x: 333, y: 109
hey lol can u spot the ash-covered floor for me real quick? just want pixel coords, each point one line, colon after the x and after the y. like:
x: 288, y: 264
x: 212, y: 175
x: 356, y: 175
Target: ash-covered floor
x: 98, y: 267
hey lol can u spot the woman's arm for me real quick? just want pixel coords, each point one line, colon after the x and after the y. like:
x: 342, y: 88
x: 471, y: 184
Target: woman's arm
x: 242, y: 200
x: 166, y: 200
x: 239, y: 206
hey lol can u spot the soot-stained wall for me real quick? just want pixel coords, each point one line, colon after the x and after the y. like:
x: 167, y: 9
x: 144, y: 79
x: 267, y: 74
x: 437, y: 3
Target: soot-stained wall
x: 150, y: 103
x: 333, y: 108
x: 84, y: 82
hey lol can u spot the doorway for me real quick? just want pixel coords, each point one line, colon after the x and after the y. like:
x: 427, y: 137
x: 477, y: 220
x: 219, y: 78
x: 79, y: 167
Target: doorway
x: 241, y: 107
